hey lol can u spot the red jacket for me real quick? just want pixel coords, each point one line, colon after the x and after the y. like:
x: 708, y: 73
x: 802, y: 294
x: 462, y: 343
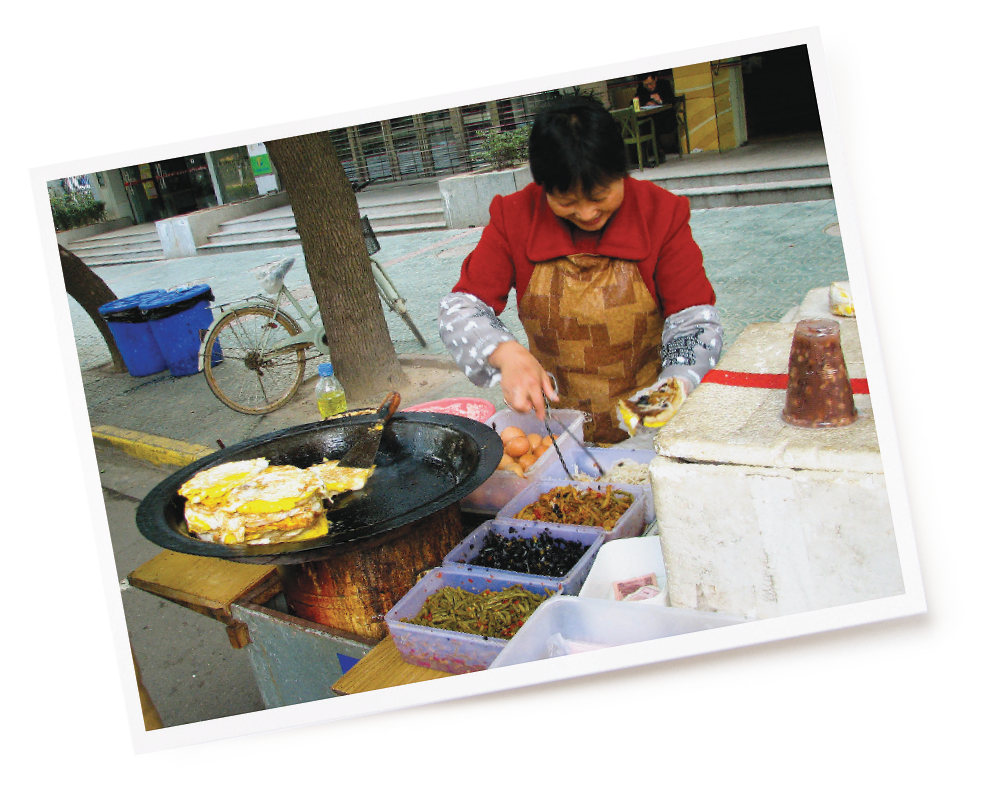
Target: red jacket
x: 651, y: 227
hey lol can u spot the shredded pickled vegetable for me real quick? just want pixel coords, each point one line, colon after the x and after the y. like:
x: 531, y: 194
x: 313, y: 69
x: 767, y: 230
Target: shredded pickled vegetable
x: 587, y: 507
x: 491, y: 613
x: 625, y: 471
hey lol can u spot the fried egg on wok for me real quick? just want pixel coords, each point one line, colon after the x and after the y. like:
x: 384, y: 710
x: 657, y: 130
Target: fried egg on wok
x: 253, y: 502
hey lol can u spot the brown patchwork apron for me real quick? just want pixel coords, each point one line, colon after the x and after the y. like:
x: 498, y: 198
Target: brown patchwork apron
x: 594, y: 325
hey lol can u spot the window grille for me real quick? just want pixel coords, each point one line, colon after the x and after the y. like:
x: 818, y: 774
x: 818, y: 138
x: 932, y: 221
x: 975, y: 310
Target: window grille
x: 432, y: 144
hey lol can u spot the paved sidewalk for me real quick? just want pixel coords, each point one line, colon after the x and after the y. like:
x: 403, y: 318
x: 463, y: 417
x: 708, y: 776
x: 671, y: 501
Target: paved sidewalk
x: 762, y: 261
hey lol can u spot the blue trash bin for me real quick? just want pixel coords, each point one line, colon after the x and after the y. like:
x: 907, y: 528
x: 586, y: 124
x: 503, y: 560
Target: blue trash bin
x: 178, y: 318
x: 133, y: 335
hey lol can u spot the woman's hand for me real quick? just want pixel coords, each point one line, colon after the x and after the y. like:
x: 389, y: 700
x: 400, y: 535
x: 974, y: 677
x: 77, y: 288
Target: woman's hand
x: 524, y: 381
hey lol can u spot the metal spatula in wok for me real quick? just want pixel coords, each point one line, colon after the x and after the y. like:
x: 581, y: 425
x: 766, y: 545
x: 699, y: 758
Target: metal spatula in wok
x: 367, y: 443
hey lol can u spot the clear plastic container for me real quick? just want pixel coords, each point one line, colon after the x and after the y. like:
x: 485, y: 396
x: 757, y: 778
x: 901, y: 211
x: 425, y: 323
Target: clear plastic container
x: 580, y: 462
x: 329, y: 393
x: 502, y: 486
x: 452, y: 651
x: 571, y: 582
x: 819, y: 392
x: 629, y: 525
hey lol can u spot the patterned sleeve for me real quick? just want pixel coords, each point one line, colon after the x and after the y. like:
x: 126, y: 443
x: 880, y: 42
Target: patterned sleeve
x: 692, y: 344
x: 471, y: 331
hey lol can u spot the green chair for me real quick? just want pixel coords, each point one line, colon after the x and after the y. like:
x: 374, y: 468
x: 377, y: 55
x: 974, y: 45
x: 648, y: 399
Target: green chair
x: 636, y: 131
x: 680, y: 110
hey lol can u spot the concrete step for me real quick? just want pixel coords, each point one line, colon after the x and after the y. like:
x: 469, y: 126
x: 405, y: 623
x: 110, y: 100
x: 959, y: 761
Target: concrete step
x: 253, y: 242
x: 111, y: 246
x: 277, y: 229
x: 406, y: 217
x: 770, y: 193
x: 725, y: 179
x: 121, y: 257
x: 135, y: 244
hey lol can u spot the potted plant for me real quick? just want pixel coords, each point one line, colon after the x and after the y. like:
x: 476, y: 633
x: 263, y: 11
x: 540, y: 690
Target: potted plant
x: 504, y: 155
x: 504, y: 150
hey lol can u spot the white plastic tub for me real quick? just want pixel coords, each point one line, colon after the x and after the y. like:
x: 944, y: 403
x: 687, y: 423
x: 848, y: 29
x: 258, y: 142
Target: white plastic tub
x: 564, y: 625
x: 624, y: 559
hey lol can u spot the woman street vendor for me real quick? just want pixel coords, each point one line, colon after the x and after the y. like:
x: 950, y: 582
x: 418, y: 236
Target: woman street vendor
x: 610, y: 285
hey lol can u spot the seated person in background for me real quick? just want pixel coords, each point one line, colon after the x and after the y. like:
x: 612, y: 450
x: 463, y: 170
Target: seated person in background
x: 653, y: 91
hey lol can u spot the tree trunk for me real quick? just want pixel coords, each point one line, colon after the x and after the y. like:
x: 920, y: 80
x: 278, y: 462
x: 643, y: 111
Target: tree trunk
x: 338, y: 265
x: 90, y: 292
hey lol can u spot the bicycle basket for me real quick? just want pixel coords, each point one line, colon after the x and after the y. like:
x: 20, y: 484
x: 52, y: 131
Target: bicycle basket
x: 372, y: 245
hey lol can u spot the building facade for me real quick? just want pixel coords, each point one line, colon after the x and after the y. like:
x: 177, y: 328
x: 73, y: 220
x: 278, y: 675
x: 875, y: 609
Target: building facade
x: 726, y: 102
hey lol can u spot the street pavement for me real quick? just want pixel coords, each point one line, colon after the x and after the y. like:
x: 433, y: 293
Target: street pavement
x: 762, y: 261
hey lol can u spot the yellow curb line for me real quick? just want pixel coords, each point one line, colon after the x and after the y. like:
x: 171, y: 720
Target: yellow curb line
x: 150, y: 448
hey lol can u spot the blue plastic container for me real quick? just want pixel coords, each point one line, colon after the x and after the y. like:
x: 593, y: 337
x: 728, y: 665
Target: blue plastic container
x: 133, y: 335
x: 177, y: 318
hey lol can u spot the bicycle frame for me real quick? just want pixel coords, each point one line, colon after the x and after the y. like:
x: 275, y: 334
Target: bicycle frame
x: 314, y: 334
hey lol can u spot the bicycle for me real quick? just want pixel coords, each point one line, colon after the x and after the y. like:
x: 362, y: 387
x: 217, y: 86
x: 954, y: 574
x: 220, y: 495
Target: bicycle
x: 254, y: 354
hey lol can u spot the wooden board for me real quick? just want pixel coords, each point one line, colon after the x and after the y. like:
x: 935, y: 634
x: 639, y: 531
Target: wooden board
x: 383, y: 668
x: 205, y: 584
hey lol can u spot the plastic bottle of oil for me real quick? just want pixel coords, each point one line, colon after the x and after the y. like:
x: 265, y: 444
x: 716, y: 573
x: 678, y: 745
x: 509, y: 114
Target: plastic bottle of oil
x: 328, y: 392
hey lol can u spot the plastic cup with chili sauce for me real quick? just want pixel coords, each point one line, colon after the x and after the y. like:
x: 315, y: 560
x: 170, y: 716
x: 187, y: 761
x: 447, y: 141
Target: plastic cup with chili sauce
x: 819, y: 391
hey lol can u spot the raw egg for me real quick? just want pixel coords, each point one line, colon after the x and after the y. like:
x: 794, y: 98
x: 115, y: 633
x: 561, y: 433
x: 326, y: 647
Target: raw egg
x: 518, y: 446
x: 511, y: 433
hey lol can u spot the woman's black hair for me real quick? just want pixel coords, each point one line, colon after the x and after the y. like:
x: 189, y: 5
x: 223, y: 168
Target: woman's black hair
x: 575, y: 142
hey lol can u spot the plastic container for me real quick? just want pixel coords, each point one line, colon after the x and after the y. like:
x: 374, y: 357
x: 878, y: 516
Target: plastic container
x: 566, y: 625
x: 476, y: 409
x: 451, y: 651
x: 570, y: 582
x: 502, y: 486
x: 625, y: 559
x: 579, y: 462
x: 819, y: 393
x: 328, y: 392
x: 177, y: 318
x: 629, y: 525
x: 133, y: 335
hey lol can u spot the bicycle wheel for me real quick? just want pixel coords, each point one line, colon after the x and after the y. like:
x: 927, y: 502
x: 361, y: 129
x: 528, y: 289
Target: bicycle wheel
x: 250, y: 378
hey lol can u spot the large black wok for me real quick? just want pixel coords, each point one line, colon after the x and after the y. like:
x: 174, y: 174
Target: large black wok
x: 426, y: 462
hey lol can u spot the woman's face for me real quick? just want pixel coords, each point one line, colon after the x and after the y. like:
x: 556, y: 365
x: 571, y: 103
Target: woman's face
x: 588, y: 212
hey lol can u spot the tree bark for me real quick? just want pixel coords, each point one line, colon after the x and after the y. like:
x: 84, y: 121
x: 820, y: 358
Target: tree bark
x: 327, y: 217
x: 90, y: 292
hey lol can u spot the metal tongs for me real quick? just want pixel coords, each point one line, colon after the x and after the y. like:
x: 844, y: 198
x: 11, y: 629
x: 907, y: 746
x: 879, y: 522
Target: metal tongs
x: 566, y: 430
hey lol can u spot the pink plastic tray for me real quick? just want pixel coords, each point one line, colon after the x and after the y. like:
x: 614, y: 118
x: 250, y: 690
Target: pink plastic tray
x: 476, y: 409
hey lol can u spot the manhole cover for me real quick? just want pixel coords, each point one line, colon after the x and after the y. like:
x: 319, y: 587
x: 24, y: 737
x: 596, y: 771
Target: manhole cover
x: 833, y: 229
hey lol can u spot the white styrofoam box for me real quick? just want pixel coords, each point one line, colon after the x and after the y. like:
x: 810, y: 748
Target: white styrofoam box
x: 629, y: 525
x: 760, y: 518
x: 623, y: 559
x: 564, y: 625
x: 503, y: 485
x: 580, y: 462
